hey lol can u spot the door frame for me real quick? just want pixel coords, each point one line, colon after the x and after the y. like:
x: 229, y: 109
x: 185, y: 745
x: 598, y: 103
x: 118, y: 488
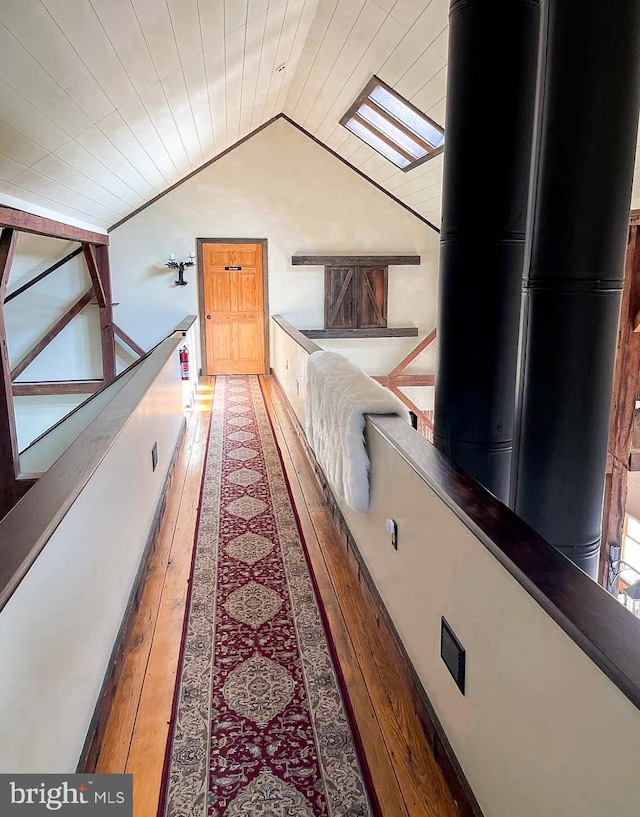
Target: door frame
x: 265, y: 282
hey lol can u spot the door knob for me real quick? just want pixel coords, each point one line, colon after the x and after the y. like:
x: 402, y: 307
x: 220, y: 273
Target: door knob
x: 208, y: 317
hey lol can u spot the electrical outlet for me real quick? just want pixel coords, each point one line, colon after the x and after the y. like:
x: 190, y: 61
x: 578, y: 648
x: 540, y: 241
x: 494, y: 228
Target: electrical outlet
x: 392, y: 530
x: 154, y: 456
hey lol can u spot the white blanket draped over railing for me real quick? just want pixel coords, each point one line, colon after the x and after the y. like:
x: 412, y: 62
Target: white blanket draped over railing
x: 339, y: 394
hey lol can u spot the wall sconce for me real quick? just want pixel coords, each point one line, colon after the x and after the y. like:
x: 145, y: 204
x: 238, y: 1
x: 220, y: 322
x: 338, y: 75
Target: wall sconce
x: 180, y: 266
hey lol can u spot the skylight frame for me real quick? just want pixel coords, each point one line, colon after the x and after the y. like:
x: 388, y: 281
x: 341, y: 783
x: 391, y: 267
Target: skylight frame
x: 363, y: 99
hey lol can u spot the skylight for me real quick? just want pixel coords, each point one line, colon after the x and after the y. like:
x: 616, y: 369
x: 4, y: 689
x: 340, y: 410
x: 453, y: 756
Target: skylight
x: 394, y: 127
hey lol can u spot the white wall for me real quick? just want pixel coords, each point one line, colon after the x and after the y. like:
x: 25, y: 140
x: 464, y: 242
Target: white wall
x: 541, y: 731
x: 283, y: 187
x: 58, y: 629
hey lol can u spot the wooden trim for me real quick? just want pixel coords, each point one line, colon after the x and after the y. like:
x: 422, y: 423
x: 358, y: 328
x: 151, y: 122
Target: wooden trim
x: 113, y: 676
x: 364, y: 175
x: 413, y: 354
x: 42, y: 275
x: 634, y: 461
x: 443, y: 752
x: 295, y: 334
x: 372, y: 332
x: 96, y: 280
x: 130, y: 343
x: 28, y: 223
x: 55, y: 330
x: 56, y: 387
x: 634, y: 217
x: 265, y: 293
x: 26, y: 529
x: 193, y: 173
x: 354, y: 260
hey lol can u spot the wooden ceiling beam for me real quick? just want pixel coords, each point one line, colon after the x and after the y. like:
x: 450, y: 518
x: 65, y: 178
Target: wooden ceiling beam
x: 29, y: 223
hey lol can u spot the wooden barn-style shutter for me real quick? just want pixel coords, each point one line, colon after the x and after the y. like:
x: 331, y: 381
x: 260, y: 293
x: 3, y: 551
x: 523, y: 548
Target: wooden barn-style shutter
x: 340, y: 298
x: 355, y: 297
x: 372, y: 297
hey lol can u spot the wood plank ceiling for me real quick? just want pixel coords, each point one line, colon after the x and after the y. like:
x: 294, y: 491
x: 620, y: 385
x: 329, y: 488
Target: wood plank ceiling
x: 105, y: 103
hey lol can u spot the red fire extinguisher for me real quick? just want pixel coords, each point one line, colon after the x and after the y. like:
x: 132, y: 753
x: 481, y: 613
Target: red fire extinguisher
x: 184, y: 363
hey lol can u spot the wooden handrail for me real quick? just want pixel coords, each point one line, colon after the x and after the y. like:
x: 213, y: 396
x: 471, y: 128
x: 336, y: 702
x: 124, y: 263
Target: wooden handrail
x: 26, y: 529
x: 303, y: 341
x: 607, y: 632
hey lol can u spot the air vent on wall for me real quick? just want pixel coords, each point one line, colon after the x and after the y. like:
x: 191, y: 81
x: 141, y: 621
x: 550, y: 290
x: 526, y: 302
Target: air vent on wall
x: 453, y: 654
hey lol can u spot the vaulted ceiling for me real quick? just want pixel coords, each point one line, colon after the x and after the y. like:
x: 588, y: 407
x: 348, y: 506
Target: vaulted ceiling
x: 106, y: 103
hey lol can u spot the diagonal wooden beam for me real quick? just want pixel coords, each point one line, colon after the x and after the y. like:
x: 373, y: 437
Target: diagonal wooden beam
x: 409, y: 404
x: 414, y: 353
x: 55, y: 330
x: 107, y: 336
x: 130, y: 343
x: 94, y: 274
x: 42, y: 275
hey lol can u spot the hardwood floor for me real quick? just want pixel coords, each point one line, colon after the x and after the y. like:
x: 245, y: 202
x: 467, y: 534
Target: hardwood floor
x: 138, y: 725
x: 407, y: 780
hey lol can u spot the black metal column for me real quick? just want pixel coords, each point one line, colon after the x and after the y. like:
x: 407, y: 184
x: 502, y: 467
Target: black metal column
x: 490, y: 110
x: 589, y: 99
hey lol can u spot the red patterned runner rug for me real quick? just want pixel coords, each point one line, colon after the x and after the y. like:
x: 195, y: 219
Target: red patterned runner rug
x: 260, y: 725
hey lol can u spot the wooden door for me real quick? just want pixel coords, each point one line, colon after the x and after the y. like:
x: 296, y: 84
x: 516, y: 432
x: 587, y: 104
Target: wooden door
x: 234, y: 308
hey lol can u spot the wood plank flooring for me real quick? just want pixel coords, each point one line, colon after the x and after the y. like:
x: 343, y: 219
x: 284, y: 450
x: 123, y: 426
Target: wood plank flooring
x: 407, y: 780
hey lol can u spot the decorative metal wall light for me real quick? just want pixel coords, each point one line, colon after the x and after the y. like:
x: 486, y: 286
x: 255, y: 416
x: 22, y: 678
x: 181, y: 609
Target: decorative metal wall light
x: 180, y: 266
